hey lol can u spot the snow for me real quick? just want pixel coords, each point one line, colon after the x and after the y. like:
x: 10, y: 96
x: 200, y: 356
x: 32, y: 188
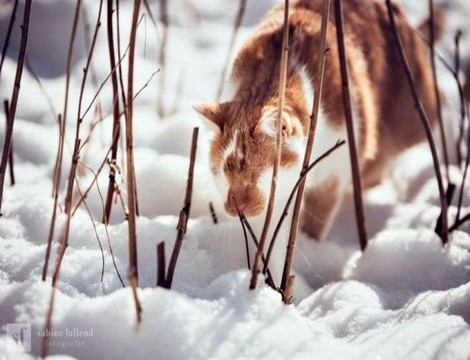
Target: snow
x: 405, y: 297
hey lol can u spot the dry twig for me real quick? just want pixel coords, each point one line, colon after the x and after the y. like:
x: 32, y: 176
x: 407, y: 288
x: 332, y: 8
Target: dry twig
x: 131, y: 187
x: 161, y: 264
x: 308, y: 152
x: 7, y: 143
x: 277, y: 158
x: 116, y: 119
x: 8, y: 36
x: 247, y: 247
x: 162, y: 57
x: 297, y: 185
x: 70, y: 190
x: 464, y: 177
x: 437, y: 95
x: 82, y: 200
x: 95, y: 229
x: 9, y: 133
x: 356, y: 177
x: 14, y: 97
x: 215, y: 220
x: 424, y: 119
x: 62, y: 120
x: 184, y: 213
x: 463, y: 112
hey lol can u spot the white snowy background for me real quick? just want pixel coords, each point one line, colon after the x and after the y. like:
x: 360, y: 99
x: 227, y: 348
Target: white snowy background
x: 405, y: 297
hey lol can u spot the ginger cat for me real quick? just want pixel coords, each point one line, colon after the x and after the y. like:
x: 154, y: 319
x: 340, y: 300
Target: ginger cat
x: 386, y: 122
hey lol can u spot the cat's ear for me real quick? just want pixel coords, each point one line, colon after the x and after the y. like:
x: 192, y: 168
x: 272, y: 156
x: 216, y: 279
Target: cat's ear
x: 214, y: 112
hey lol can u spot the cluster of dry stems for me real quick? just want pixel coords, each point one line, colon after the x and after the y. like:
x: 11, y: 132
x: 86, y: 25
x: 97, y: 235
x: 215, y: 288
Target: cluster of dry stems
x: 123, y: 100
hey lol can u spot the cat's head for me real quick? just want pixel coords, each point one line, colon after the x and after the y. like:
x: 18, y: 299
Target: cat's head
x: 243, y: 152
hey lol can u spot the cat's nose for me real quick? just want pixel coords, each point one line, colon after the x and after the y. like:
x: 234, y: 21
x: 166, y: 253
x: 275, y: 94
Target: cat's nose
x: 248, y: 201
x: 235, y: 203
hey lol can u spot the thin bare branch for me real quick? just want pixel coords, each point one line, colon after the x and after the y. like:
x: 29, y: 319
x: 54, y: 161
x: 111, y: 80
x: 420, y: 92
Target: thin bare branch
x: 356, y: 177
x: 297, y: 185
x: 184, y: 213
x: 247, y: 247
x: 149, y: 11
x: 437, y: 95
x: 7, y: 144
x: 60, y: 255
x: 161, y: 264
x: 11, y: 167
x: 162, y: 57
x: 131, y: 188
x: 308, y: 152
x: 277, y: 157
x: 246, y: 224
x: 94, y: 229
x: 55, y: 195
x: 36, y: 78
x: 9, y: 31
x: 70, y: 188
x: 459, y: 223
x: 116, y: 120
x: 60, y: 150
x: 118, y: 33
x: 82, y: 200
x: 215, y: 220
x: 463, y: 114
x: 424, y: 119
x: 14, y: 97
x: 464, y: 176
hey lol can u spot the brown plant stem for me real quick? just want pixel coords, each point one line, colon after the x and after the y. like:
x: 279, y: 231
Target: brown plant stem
x: 70, y: 189
x: 356, y: 177
x: 48, y: 325
x: 118, y: 36
x: 459, y: 223
x: 424, y: 119
x: 148, y: 9
x: 458, y: 144
x: 277, y: 157
x: 464, y: 176
x: 247, y: 247
x: 14, y: 96
x: 116, y: 119
x: 437, y: 95
x: 8, y: 35
x: 161, y: 264
x: 301, y: 179
x: 82, y: 200
x: 95, y: 229
x: 36, y: 78
x: 246, y: 224
x: 131, y: 188
x: 308, y: 152
x: 60, y: 150
x: 215, y: 220
x: 184, y: 213
x: 7, y: 143
x: 162, y: 57
x: 54, y: 212
x: 60, y: 252
x: 236, y: 27
x: 95, y: 179
x: 9, y: 133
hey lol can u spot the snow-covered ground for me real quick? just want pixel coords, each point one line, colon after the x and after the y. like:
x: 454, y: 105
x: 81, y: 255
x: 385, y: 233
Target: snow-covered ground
x: 405, y: 297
